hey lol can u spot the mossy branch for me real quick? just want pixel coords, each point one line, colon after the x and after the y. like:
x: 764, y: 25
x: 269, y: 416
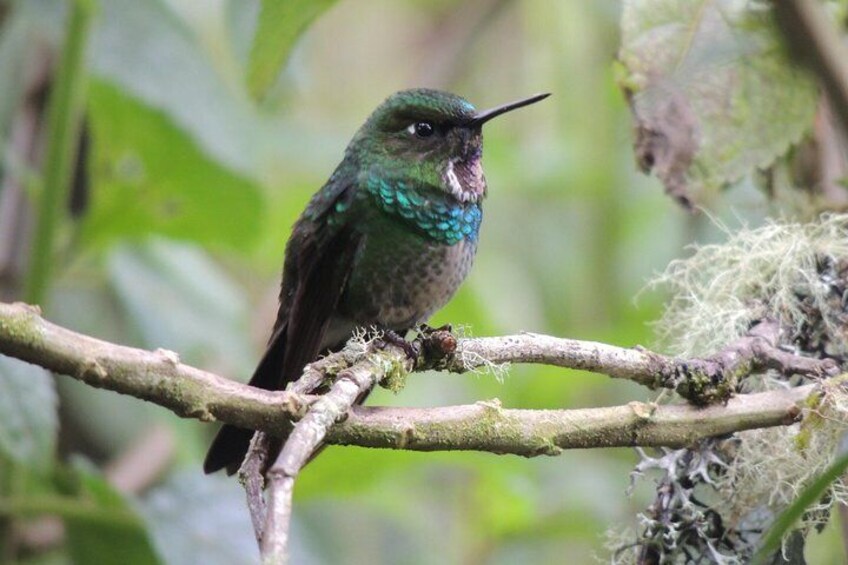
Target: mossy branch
x: 486, y: 426
x: 156, y: 376
x: 159, y: 377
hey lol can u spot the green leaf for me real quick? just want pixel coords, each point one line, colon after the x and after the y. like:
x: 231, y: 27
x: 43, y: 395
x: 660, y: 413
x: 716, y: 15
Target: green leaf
x: 200, y: 519
x: 281, y: 23
x: 145, y: 49
x: 789, y: 517
x: 62, y: 130
x: 104, y: 528
x: 150, y: 177
x: 143, y: 46
x: 712, y: 94
x: 28, y: 419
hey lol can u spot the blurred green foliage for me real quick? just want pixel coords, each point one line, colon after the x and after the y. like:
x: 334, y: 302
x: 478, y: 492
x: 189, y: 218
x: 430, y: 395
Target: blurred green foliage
x: 28, y: 404
x: 180, y: 192
x: 193, y: 186
x: 280, y: 24
x: 715, y: 60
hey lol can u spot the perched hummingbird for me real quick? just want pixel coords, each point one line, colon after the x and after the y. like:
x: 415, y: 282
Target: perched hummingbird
x: 385, y: 242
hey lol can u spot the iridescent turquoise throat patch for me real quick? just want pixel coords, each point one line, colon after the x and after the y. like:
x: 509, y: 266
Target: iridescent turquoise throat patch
x: 442, y: 221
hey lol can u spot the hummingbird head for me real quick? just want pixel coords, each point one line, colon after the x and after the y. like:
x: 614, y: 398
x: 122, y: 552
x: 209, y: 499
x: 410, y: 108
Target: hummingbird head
x: 432, y: 136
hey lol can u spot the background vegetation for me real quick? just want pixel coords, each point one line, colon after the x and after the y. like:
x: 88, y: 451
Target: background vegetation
x: 197, y: 159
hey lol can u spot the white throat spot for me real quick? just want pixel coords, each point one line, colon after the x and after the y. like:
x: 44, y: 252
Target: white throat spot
x: 455, y: 185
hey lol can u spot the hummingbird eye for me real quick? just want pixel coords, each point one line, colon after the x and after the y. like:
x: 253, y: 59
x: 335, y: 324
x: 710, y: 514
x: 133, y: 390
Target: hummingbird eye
x: 422, y: 129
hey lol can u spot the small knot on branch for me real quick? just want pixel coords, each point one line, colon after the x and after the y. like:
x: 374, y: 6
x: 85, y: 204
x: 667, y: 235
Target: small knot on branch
x: 642, y: 410
x: 93, y: 373
x: 170, y: 357
x: 704, y: 381
x: 33, y: 309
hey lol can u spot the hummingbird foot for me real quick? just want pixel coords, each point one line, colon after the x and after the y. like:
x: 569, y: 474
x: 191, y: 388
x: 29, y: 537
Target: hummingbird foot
x: 426, y: 329
x: 411, y: 348
x: 436, y: 345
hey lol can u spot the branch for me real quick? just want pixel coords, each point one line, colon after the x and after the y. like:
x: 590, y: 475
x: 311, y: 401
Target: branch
x: 156, y: 376
x: 485, y: 426
x: 305, y: 440
x: 251, y: 476
x: 159, y: 377
x: 701, y: 381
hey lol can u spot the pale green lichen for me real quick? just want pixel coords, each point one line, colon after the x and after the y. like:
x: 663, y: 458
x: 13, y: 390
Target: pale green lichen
x: 772, y: 466
x: 394, y: 371
x: 22, y: 327
x: 796, y: 274
x: 475, y: 363
x: 773, y: 271
x: 811, y: 422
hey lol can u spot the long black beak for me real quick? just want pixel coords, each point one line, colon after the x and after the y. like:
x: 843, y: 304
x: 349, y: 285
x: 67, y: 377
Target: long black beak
x: 484, y: 116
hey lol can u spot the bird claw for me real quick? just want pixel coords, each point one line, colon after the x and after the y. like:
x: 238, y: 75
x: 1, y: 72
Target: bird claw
x: 435, y: 345
x: 426, y: 329
x: 411, y: 349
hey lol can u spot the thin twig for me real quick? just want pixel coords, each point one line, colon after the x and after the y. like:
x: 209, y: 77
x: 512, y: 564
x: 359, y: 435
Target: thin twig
x: 252, y: 478
x: 701, y: 380
x: 308, y: 434
x: 256, y: 462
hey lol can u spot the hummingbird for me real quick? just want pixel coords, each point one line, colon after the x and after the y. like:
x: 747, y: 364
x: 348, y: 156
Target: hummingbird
x: 384, y: 243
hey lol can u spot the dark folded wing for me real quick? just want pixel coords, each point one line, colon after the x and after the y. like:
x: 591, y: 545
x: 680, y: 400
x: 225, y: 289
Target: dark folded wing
x: 319, y: 258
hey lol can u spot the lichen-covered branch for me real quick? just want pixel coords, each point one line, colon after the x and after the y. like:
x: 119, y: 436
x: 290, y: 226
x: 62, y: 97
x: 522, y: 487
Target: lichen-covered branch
x: 486, y: 426
x: 332, y: 418
x: 702, y: 381
x: 306, y: 438
x: 252, y: 477
x: 159, y: 377
x: 156, y: 376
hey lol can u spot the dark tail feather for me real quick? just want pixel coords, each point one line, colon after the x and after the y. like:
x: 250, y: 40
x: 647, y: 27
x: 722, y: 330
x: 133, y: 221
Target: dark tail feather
x: 227, y: 450
x: 231, y: 443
